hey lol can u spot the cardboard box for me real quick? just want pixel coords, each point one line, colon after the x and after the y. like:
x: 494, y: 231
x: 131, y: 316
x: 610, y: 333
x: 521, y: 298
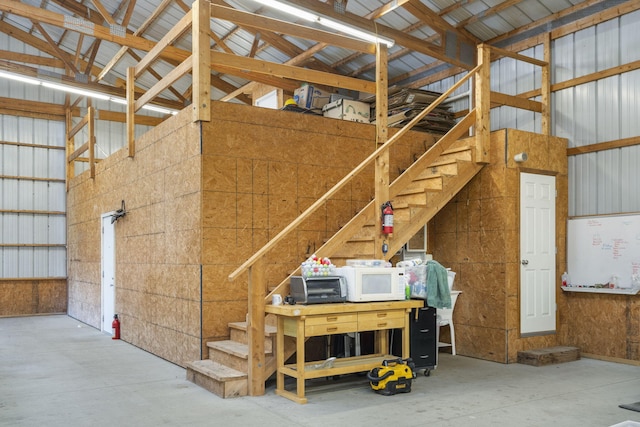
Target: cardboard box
x: 311, y: 97
x: 348, y: 109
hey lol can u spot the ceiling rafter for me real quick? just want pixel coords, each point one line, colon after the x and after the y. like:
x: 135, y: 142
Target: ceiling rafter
x: 111, y: 20
x: 59, y: 52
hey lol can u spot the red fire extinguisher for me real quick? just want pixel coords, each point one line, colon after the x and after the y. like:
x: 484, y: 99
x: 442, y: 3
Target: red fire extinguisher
x: 115, y: 326
x: 387, y: 218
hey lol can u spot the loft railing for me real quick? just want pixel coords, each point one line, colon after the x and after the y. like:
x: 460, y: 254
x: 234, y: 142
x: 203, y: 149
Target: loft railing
x: 73, y: 154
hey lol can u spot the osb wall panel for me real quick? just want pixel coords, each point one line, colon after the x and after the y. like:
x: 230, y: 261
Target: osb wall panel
x: 261, y: 169
x: 477, y: 235
x: 157, y: 242
x: 39, y: 296
x: 603, y: 324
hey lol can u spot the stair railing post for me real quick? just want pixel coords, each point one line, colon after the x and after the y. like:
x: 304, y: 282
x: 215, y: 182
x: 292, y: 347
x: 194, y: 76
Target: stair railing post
x: 255, y: 328
x: 483, y: 104
x: 381, y: 190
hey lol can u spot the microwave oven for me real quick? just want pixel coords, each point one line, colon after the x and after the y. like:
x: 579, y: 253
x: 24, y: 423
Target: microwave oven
x: 373, y: 283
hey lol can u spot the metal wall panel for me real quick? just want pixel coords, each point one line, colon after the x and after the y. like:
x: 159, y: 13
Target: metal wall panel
x: 25, y: 228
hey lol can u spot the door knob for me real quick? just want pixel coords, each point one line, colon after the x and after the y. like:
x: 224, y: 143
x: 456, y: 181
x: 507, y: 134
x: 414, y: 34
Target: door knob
x: 525, y: 262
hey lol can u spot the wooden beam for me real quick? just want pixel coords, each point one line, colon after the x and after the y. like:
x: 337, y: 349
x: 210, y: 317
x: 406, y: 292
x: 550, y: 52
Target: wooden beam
x: 515, y: 101
x: 32, y: 178
x: 92, y: 141
x: 608, y: 145
x: 131, y: 110
x: 86, y: 27
x: 18, y: 107
x: 439, y: 24
x: 498, y: 52
x: 254, y: 45
x: 112, y: 116
x: 483, y: 105
x: 59, y: 52
x: 78, y: 152
x: 78, y: 127
x: 141, y: 29
x: 255, y: 328
x: 34, y: 212
x: 102, y: 11
x: 295, y: 73
x: 32, y: 59
x: 165, y: 42
x: 32, y: 245
x: 255, y: 77
x: 69, y: 144
x: 40, y: 44
x: 545, y: 88
x: 293, y: 61
x: 175, y: 74
x: 201, y: 66
x: 381, y: 167
x: 24, y: 144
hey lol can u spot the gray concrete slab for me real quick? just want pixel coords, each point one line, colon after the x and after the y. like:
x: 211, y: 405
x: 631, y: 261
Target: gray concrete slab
x: 56, y: 371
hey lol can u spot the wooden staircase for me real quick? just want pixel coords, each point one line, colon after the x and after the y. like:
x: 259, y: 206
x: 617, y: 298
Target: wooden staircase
x: 225, y: 372
x: 415, y: 204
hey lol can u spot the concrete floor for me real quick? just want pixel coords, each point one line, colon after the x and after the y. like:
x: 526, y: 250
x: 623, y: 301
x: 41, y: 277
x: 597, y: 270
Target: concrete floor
x: 56, y: 371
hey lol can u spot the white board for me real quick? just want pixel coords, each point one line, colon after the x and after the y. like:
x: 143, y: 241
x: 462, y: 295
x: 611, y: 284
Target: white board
x: 600, y: 246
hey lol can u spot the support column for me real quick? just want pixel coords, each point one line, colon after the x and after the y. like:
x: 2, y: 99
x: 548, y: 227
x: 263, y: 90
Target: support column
x: 483, y: 105
x: 201, y: 69
x: 382, y: 133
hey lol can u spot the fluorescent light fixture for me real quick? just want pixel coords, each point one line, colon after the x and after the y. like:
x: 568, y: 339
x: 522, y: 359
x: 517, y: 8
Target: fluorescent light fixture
x: 118, y: 100
x: 75, y: 90
x: 327, y: 22
x: 82, y: 92
x: 19, y: 78
x: 291, y: 10
x: 347, y: 29
x: 159, y: 109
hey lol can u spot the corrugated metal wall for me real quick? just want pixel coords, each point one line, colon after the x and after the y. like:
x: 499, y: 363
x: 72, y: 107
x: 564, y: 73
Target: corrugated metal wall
x: 603, y: 182
x: 32, y: 188
x: 33, y: 205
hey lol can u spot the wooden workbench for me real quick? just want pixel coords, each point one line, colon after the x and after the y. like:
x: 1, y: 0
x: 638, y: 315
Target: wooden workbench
x: 303, y: 321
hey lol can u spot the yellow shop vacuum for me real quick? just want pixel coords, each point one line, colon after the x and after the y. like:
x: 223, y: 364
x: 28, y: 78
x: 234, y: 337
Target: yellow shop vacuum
x: 394, y: 376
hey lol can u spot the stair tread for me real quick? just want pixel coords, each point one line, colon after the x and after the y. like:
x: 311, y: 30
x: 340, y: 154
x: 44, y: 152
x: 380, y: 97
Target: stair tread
x: 269, y: 330
x: 232, y: 347
x: 216, y: 370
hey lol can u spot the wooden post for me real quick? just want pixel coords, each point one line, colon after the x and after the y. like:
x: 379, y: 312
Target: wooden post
x: 255, y: 328
x: 92, y: 141
x: 483, y: 105
x: 131, y: 110
x: 201, y: 69
x: 70, y: 143
x: 545, y: 88
x: 382, y: 161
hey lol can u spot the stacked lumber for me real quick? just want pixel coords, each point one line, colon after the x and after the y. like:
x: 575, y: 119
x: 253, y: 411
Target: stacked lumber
x: 405, y: 104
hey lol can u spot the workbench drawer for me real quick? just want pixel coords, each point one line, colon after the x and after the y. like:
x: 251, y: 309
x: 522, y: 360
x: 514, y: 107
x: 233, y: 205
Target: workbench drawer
x: 376, y: 320
x: 330, y: 328
x: 329, y: 319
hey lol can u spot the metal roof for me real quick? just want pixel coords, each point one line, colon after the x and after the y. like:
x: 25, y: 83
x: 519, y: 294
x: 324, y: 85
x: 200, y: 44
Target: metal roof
x: 474, y: 20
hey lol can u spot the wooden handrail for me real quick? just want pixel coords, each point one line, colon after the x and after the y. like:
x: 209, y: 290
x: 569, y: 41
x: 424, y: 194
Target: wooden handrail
x: 337, y: 187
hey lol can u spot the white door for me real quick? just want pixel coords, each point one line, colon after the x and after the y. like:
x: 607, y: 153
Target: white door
x: 537, y: 254
x: 108, y: 272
